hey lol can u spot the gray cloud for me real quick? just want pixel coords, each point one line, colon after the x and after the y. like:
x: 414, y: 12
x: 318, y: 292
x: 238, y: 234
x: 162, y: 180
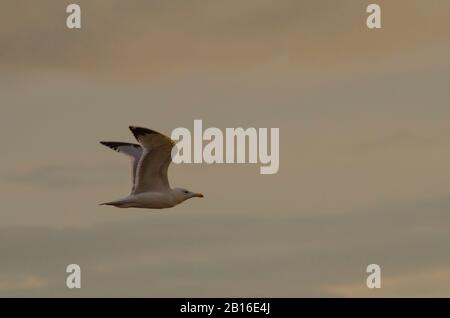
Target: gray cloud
x: 181, y: 255
x: 398, y: 140
x: 66, y: 176
x: 156, y: 38
x: 363, y: 122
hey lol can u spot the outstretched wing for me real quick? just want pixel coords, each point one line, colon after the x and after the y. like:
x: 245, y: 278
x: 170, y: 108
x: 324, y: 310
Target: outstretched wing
x: 155, y: 160
x: 134, y: 151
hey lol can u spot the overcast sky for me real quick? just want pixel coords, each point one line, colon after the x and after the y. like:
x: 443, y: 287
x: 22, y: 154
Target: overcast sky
x: 364, y: 147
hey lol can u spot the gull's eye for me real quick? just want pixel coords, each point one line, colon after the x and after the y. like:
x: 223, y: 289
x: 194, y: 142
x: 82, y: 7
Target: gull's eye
x: 186, y: 192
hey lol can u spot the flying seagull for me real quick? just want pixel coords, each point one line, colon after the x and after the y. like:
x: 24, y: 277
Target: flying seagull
x: 150, y: 160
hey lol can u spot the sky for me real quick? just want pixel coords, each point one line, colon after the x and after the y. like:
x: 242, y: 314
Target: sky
x: 363, y: 119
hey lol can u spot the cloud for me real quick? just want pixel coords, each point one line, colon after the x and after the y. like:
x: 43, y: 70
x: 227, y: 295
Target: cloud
x: 178, y: 255
x: 428, y: 282
x: 21, y: 283
x: 398, y: 140
x: 66, y: 176
x: 362, y: 116
x: 155, y: 38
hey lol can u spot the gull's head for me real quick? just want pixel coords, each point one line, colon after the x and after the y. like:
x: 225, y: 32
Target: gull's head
x: 184, y: 194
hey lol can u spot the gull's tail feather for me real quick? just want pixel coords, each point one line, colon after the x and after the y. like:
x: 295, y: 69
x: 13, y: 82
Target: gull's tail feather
x: 122, y: 203
x: 106, y: 203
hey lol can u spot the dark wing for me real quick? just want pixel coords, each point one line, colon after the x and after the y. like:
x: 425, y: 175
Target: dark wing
x: 134, y: 151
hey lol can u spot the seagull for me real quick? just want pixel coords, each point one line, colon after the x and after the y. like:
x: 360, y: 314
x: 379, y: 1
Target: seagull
x: 150, y: 160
